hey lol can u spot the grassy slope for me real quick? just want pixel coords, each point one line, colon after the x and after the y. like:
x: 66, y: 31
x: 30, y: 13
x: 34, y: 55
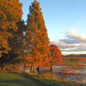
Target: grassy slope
x: 23, y: 79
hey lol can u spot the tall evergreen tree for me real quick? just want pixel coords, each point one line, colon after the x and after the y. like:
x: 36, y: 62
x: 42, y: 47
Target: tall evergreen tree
x: 36, y: 38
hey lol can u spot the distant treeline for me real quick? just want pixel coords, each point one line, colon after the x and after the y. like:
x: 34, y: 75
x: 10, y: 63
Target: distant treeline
x: 74, y: 56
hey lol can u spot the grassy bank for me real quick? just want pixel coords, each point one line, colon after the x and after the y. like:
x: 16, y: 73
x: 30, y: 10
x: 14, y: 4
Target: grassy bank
x: 24, y: 79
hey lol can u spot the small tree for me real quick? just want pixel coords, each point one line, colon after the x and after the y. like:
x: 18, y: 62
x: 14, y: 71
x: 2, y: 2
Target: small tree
x: 55, y: 56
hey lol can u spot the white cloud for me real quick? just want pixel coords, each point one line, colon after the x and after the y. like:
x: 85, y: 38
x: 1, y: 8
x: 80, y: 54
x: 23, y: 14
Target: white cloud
x: 73, y: 41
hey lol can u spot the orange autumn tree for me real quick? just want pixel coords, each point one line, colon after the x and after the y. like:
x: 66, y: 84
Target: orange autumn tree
x: 55, y: 56
x: 37, y: 40
x: 10, y: 13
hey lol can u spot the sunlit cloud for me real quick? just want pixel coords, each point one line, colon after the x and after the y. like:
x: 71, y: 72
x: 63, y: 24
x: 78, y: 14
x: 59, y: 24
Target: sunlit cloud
x: 81, y: 52
x: 73, y: 41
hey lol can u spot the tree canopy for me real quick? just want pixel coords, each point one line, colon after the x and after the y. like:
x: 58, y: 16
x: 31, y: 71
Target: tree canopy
x: 56, y: 56
x: 33, y: 47
x: 37, y: 38
x: 10, y: 13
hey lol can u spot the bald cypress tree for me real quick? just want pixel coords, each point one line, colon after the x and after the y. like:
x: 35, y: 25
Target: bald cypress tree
x: 55, y: 56
x: 37, y: 38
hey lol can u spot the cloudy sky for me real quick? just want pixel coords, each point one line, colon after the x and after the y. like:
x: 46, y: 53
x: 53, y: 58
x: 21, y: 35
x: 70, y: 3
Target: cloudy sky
x: 65, y: 21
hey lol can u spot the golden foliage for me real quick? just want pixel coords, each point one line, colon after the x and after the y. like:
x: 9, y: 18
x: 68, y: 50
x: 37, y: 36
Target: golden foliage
x: 55, y: 55
x: 37, y: 40
x: 10, y: 13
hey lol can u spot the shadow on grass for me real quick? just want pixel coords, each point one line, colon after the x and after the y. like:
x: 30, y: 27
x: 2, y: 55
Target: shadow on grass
x: 45, y: 82
x: 37, y: 81
x: 29, y: 80
x: 25, y: 80
x: 13, y: 82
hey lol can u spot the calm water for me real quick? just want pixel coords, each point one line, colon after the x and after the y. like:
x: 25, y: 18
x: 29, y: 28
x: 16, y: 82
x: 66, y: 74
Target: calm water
x: 77, y: 70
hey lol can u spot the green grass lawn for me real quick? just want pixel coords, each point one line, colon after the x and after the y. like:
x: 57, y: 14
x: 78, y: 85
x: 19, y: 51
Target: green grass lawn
x: 24, y: 79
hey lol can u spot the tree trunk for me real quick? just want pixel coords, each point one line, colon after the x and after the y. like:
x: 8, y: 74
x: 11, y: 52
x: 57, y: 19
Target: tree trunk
x: 32, y: 68
x: 38, y: 69
x: 51, y: 67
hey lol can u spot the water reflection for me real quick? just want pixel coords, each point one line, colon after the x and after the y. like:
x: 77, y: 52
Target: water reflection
x: 77, y: 68
x: 80, y: 78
